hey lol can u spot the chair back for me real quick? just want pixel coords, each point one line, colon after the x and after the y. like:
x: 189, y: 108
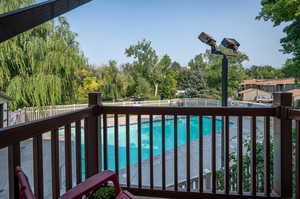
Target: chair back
x: 25, y: 191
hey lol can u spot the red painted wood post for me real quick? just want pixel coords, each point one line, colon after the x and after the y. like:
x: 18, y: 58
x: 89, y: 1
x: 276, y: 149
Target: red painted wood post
x: 92, y: 137
x: 282, y: 146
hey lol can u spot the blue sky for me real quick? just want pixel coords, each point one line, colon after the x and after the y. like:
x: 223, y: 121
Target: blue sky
x: 106, y: 27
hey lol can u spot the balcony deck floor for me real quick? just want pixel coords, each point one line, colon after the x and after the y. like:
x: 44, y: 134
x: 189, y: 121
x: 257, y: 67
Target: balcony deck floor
x: 143, y: 197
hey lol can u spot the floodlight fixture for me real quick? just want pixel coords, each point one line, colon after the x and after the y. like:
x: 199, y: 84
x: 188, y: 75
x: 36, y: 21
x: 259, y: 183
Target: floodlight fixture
x: 227, y: 43
x: 231, y: 44
x: 207, y: 39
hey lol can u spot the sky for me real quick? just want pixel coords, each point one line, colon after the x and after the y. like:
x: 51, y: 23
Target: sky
x: 107, y: 27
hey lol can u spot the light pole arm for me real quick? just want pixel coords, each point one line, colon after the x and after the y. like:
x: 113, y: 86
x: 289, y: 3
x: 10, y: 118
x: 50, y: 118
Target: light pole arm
x: 218, y: 52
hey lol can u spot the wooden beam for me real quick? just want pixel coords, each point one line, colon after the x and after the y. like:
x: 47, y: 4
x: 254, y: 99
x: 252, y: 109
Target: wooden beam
x: 21, y: 20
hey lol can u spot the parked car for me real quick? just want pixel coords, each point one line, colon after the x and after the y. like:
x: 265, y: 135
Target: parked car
x: 263, y: 99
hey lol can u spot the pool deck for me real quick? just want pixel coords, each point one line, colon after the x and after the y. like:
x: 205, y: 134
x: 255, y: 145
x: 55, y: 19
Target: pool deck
x: 157, y: 164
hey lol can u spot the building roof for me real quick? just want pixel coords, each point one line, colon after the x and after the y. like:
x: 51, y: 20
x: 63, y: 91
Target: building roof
x: 5, y: 97
x: 251, y: 89
x: 295, y: 92
x: 269, y: 82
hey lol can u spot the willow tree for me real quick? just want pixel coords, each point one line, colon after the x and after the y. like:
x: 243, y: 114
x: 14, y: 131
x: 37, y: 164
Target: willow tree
x: 115, y: 82
x: 38, y: 67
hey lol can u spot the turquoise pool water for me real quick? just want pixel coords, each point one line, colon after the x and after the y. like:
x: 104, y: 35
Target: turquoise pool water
x: 157, y: 138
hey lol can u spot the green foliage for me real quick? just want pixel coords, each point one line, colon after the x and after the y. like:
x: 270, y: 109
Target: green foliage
x: 192, y: 82
x: 105, y: 192
x: 10, y: 5
x: 288, y: 12
x: 44, y: 66
x: 115, y: 82
x: 175, y: 66
x: 168, y: 86
x: 142, y: 88
x: 38, y: 89
x: 279, y: 11
x: 144, y: 56
x: 263, y: 72
x: 197, y: 63
x: 88, y: 82
x: 149, y: 72
x: 203, y: 76
x: 38, y: 67
x: 291, y: 68
x: 213, y: 71
x: 246, y: 168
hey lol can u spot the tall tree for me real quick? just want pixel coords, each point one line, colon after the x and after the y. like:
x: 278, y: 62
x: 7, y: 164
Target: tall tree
x: 168, y: 86
x: 288, y: 12
x: 210, y: 68
x: 88, y: 82
x: 159, y: 72
x: 143, y: 88
x: 144, y: 56
x: 175, y: 66
x: 192, y: 81
x: 114, y: 81
x: 197, y: 63
x: 38, y: 67
x: 213, y: 71
x: 147, y: 66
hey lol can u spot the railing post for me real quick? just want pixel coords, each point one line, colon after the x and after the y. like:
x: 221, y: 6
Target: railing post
x: 1, y: 116
x: 282, y: 161
x: 92, y: 155
x: 14, y: 160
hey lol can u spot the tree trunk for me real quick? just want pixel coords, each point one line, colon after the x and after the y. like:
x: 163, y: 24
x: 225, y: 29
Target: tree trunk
x: 156, y: 89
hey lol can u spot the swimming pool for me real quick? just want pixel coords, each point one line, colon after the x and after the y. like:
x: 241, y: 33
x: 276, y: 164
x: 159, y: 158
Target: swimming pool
x: 157, y: 138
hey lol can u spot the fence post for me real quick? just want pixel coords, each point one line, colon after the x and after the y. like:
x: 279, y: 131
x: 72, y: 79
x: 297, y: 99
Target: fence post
x: 91, y: 141
x: 282, y: 162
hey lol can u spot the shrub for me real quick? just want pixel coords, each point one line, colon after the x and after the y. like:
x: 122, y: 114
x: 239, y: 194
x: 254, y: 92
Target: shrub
x: 105, y: 192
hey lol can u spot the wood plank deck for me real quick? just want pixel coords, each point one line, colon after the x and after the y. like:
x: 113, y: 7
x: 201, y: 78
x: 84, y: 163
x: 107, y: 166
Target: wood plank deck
x: 142, y: 197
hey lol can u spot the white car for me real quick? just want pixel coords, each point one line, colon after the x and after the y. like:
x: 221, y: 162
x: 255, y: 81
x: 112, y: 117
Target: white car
x: 263, y: 99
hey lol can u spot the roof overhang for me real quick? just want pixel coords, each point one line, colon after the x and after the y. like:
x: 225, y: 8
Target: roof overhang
x: 253, y: 89
x: 5, y: 98
x: 21, y: 20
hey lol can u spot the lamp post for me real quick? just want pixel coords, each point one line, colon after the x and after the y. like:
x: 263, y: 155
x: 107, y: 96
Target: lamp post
x: 227, y: 43
x: 233, y: 45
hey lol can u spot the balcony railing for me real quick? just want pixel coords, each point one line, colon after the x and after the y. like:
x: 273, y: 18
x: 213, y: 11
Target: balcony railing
x: 173, y: 171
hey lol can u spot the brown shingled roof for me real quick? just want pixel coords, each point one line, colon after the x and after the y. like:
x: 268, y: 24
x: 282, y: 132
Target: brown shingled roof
x: 295, y: 92
x: 251, y: 89
x: 247, y: 90
x: 269, y: 82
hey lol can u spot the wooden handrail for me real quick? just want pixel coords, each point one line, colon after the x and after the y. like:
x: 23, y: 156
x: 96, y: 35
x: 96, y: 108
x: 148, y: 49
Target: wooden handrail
x: 294, y: 114
x: 209, y: 111
x: 15, y: 134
